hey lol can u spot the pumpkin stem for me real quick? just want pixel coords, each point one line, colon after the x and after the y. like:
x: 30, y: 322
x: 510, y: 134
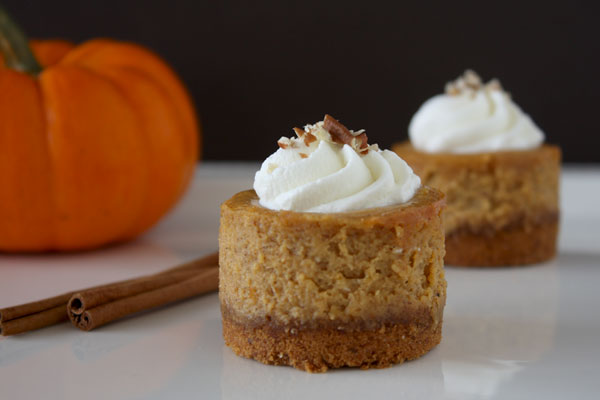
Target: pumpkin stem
x: 14, y: 46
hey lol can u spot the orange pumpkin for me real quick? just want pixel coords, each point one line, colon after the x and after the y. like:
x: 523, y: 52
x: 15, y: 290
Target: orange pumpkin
x: 95, y: 146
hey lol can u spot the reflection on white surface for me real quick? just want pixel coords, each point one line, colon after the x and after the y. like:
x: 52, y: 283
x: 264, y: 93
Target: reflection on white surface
x: 247, y: 379
x: 496, y: 321
x: 477, y: 380
x: 134, y: 358
x: 140, y: 352
x: 514, y: 333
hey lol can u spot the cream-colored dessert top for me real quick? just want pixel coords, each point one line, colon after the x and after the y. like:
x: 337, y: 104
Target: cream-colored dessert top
x: 328, y: 168
x: 472, y: 118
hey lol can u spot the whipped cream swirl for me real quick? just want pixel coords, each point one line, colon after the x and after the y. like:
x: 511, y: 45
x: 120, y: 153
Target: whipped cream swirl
x: 313, y: 173
x: 472, y: 118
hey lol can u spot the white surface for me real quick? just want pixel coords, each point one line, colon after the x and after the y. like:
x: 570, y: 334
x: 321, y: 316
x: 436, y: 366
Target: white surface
x: 521, y: 333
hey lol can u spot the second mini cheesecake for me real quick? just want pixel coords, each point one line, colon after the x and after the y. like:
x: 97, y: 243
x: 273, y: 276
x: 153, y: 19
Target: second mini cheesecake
x: 502, y: 183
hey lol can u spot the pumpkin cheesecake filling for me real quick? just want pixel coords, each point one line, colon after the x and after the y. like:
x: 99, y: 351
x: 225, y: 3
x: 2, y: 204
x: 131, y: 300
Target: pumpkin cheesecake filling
x: 315, y: 290
x: 503, y: 207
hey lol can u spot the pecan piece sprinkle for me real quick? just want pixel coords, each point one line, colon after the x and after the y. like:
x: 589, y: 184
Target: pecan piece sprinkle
x: 299, y: 132
x: 340, y: 134
x: 494, y: 84
x: 309, y: 138
x: 284, y: 143
x: 468, y: 82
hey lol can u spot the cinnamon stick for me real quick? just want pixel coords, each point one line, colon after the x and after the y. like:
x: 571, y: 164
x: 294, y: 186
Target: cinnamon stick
x: 50, y: 311
x: 90, y: 298
x: 88, y: 319
x: 45, y: 317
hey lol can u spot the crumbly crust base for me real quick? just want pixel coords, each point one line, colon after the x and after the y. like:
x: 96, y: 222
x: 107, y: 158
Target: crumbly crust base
x: 515, y: 245
x: 320, y: 348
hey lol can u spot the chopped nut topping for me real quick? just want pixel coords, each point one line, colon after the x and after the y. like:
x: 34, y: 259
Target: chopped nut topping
x: 471, y: 79
x: 494, y: 84
x: 299, y: 132
x: 470, y: 82
x: 451, y: 89
x: 340, y: 134
x: 334, y: 131
x: 305, y: 135
x: 309, y: 138
x: 284, y: 143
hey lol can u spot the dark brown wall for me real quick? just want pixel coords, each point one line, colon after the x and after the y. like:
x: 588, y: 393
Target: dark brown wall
x: 255, y: 69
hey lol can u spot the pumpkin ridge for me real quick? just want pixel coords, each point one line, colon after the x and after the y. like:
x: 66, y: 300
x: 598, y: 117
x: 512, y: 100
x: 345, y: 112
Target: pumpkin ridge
x: 189, y: 146
x: 135, y: 220
x: 102, y: 218
x: 24, y: 190
x: 51, y: 159
x: 99, y: 48
x: 191, y: 140
x: 50, y: 52
x: 137, y: 224
x: 142, y: 220
x: 183, y: 137
x: 93, y: 54
x: 82, y: 51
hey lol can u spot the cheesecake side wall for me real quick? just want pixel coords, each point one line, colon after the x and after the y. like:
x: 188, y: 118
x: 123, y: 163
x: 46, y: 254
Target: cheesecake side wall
x: 303, y: 267
x: 503, y: 207
x: 491, y: 190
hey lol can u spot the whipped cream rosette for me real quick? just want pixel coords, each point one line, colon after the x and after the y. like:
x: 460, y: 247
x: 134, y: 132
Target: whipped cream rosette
x: 329, y: 168
x: 472, y: 117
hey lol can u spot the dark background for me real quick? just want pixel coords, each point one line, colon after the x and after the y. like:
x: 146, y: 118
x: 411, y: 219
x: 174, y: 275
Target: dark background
x: 255, y: 69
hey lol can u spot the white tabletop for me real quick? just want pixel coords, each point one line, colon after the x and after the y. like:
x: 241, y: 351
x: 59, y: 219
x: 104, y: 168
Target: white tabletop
x: 520, y: 333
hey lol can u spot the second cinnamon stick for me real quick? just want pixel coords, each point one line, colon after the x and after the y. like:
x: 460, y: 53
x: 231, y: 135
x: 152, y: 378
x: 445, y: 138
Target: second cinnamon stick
x: 92, y: 298
x: 201, y: 282
x: 36, y: 320
x: 46, y: 312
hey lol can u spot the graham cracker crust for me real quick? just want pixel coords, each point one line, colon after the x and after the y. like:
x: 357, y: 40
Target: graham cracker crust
x: 514, y: 245
x: 318, y: 349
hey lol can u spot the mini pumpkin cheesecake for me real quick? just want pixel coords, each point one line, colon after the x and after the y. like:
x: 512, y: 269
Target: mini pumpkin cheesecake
x: 501, y: 181
x: 351, y: 277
